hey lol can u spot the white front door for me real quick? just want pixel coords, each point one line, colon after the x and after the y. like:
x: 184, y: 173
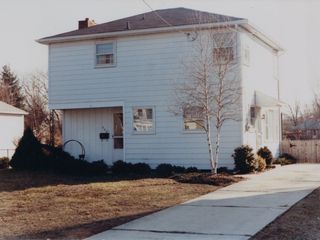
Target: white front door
x: 117, y: 136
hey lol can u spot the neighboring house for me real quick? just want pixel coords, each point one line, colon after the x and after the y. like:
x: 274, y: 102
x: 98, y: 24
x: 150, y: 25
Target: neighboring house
x: 114, y: 83
x: 308, y: 129
x: 11, y: 128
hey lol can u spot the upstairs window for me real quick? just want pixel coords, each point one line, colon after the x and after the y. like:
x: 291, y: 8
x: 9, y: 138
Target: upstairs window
x: 105, y: 54
x: 223, y: 55
x: 193, y: 119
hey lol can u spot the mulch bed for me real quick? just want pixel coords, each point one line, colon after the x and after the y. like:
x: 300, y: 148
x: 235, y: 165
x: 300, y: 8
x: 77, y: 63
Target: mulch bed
x: 221, y: 180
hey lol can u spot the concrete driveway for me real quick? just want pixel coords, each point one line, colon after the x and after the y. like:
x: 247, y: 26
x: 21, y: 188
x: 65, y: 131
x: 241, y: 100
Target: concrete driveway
x: 234, y: 212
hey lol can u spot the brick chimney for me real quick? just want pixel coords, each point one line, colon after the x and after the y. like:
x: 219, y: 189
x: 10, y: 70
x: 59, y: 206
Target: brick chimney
x: 86, y: 23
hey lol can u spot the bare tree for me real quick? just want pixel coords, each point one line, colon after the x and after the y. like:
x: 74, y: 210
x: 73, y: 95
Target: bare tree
x: 295, y: 113
x: 316, y: 106
x: 36, y: 104
x: 212, y: 89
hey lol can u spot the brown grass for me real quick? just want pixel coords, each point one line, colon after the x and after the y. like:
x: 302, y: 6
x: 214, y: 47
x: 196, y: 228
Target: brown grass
x: 42, y: 205
x: 302, y: 221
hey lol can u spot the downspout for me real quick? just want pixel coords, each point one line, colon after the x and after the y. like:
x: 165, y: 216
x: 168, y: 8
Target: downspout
x: 279, y: 111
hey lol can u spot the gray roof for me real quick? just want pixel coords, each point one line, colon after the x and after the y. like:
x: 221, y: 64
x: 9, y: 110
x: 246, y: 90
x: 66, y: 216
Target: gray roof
x: 9, y: 109
x: 154, y: 19
x: 309, y: 124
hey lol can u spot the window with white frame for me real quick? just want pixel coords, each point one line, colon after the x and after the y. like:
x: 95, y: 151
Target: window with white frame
x: 193, y: 118
x: 105, y: 54
x: 223, y: 55
x: 143, y: 120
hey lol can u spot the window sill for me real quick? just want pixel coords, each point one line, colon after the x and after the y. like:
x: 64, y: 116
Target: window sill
x: 144, y: 133
x: 193, y: 132
x: 105, y: 66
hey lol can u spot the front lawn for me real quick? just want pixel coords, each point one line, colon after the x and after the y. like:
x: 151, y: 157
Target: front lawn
x: 42, y: 205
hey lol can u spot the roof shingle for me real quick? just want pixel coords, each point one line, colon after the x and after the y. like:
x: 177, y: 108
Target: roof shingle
x: 153, y: 19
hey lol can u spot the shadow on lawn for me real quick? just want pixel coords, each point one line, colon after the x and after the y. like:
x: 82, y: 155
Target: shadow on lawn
x: 13, y: 180
x: 81, y: 231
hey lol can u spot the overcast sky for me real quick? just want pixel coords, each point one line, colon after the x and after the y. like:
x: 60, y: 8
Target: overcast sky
x: 294, y: 24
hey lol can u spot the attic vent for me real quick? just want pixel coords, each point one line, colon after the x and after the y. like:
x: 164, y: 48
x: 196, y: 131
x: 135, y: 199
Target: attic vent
x: 86, y: 23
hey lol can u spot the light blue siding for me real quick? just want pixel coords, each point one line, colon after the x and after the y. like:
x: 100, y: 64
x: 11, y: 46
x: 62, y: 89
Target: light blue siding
x: 147, y: 67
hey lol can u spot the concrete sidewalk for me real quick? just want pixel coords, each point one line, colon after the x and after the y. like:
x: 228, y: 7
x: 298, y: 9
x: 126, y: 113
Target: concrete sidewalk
x: 234, y: 212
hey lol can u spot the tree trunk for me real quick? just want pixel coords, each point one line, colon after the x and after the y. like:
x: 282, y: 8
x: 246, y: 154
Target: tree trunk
x: 209, y: 141
x: 217, y: 149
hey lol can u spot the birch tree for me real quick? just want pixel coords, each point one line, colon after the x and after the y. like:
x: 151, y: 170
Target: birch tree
x: 212, y: 89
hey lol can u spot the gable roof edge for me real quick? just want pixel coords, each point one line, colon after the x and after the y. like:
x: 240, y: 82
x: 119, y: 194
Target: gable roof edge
x: 262, y: 36
x: 48, y: 41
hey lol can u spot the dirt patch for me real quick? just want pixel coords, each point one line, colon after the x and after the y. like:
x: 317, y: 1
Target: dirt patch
x: 302, y: 221
x: 43, y: 205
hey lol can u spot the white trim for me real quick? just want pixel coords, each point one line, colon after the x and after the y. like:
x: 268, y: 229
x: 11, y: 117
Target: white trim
x: 255, y: 32
x: 79, y: 105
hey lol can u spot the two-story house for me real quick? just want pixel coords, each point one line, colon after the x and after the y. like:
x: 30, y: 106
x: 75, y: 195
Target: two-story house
x: 114, y: 83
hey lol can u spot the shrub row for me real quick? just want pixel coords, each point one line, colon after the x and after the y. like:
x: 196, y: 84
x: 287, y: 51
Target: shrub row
x: 162, y: 170
x: 32, y: 155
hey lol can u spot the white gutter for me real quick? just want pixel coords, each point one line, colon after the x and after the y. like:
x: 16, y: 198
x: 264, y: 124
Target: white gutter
x: 136, y: 32
x: 261, y: 36
x: 244, y: 24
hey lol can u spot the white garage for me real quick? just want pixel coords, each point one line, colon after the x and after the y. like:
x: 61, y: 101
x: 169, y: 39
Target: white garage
x: 11, y: 128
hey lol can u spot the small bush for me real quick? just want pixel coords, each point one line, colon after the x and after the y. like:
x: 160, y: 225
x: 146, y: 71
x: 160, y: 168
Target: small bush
x: 285, y: 159
x: 121, y: 167
x: 141, y: 169
x: 261, y: 164
x: 164, y: 170
x: 178, y: 169
x: 4, y: 163
x: 167, y: 170
x: 125, y: 168
x: 224, y: 170
x: 282, y: 161
x: 192, y: 170
x: 244, y: 159
x: 288, y: 157
x: 265, y: 153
